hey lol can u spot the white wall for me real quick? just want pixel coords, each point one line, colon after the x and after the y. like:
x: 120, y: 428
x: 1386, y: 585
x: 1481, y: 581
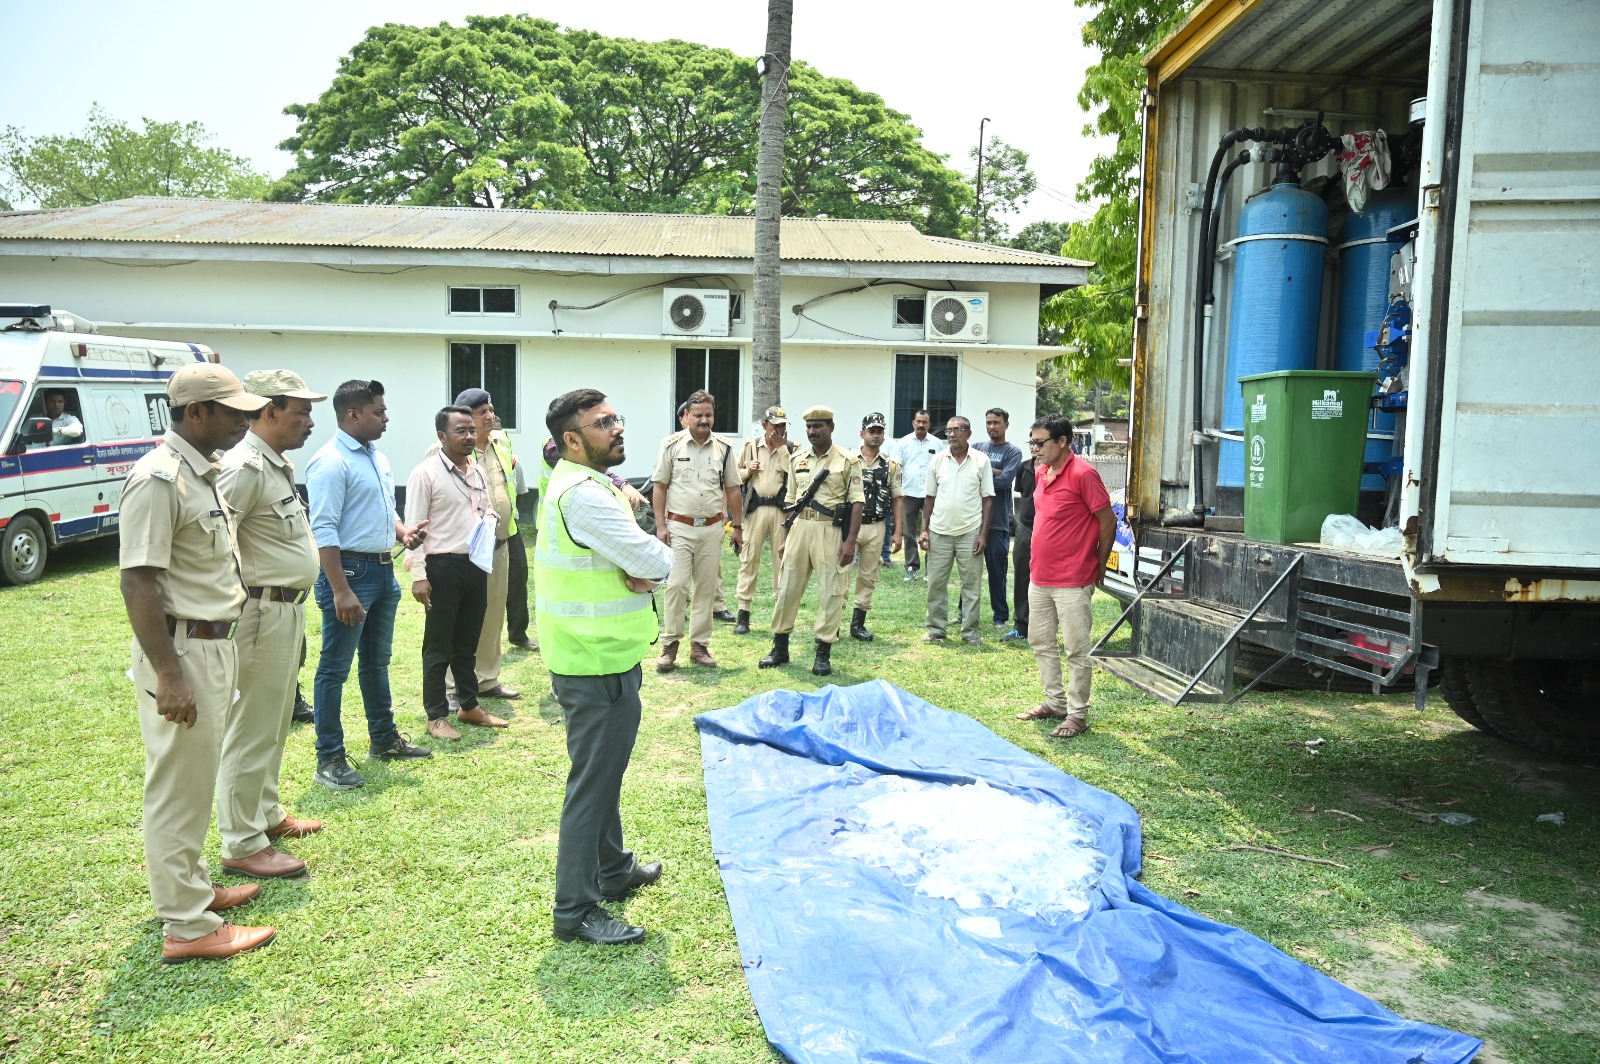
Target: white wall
x: 392, y: 324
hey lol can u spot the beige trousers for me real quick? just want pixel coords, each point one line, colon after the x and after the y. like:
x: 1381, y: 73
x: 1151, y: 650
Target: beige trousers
x: 869, y: 562
x: 812, y: 547
x: 694, y: 583
x: 270, y: 641
x: 490, y: 647
x: 180, y: 778
x: 1070, y: 611
x: 943, y: 553
x: 763, y: 527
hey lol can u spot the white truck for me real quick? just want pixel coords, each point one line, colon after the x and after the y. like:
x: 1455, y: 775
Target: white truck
x: 1485, y: 336
x: 77, y: 409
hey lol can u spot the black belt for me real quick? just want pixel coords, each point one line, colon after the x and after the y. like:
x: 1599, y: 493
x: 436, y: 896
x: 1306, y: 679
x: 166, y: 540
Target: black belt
x: 279, y: 594
x: 382, y: 557
x: 201, y: 629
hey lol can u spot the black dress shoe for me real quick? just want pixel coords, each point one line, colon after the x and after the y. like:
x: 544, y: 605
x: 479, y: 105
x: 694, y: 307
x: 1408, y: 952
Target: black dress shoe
x: 601, y: 928
x: 723, y: 615
x: 641, y: 876
x: 398, y: 749
x: 302, y: 713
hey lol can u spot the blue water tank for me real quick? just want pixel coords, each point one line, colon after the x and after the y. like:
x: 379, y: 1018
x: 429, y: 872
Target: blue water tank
x: 1364, y: 255
x: 1277, y: 301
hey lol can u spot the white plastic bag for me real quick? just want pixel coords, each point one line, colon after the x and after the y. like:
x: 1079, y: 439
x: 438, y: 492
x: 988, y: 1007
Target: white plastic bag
x: 1364, y: 159
x: 480, y: 546
x: 1342, y: 530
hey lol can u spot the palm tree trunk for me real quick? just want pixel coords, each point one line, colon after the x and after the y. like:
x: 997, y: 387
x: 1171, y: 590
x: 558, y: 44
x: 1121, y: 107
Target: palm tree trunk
x: 766, y: 330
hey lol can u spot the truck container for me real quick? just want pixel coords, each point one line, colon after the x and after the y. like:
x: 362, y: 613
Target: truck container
x: 1484, y: 431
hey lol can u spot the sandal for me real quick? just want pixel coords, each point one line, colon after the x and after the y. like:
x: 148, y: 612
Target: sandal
x: 1071, y: 728
x: 1042, y: 711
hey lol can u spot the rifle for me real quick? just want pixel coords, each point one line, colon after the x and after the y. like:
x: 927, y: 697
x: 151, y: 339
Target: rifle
x: 806, y: 498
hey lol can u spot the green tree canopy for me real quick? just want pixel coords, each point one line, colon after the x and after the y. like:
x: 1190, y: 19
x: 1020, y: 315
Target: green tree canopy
x: 1008, y: 181
x: 513, y: 111
x: 111, y: 160
x: 1097, y: 319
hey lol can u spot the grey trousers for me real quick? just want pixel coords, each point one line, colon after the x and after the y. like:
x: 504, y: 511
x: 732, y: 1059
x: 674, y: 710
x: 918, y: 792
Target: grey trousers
x: 602, y: 723
x: 946, y: 552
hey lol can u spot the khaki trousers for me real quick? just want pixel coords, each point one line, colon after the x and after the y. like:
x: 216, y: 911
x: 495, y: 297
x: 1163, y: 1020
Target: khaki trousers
x: 763, y: 527
x: 943, y: 552
x: 869, y: 562
x: 270, y: 641
x: 812, y: 547
x: 1069, y: 610
x: 694, y: 583
x: 490, y: 648
x: 180, y: 778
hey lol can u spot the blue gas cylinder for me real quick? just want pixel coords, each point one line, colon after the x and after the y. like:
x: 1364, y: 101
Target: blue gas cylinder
x: 1363, y: 300
x: 1277, y: 301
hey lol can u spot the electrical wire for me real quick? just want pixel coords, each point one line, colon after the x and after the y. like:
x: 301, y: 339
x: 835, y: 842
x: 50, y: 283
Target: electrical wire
x: 144, y: 265
x: 372, y: 273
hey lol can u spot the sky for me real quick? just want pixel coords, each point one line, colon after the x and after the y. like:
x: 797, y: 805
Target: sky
x: 234, y: 67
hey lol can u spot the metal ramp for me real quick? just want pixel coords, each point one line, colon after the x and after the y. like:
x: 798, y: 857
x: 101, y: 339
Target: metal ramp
x: 1214, y: 592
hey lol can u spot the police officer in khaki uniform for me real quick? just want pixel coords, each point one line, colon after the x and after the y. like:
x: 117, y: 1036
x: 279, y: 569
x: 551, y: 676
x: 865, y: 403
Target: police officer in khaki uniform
x: 696, y: 491
x: 821, y: 540
x: 764, y: 469
x: 183, y: 591
x: 880, y: 485
x: 279, y: 562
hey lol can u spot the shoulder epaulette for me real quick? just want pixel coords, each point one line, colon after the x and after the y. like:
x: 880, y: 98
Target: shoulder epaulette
x: 165, y: 463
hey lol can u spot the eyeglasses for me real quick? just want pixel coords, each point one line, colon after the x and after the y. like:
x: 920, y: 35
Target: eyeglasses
x: 1036, y: 444
x: 607, y: 423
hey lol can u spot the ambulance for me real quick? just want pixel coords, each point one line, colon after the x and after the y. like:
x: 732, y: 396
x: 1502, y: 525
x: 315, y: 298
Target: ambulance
x: 77, y: 409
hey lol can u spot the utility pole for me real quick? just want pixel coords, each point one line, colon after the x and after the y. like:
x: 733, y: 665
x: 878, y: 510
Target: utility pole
x: 978, y: 213
x: 766, y: 349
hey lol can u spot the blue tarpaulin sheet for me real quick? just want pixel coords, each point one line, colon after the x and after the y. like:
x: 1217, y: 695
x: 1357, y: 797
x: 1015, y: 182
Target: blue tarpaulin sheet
x: 868, y: 936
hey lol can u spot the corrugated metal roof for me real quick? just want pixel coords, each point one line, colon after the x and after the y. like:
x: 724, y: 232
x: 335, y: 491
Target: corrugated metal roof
x: 674, y: 236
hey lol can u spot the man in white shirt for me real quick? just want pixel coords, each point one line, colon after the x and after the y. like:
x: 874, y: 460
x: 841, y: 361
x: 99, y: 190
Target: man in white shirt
x: 914, y: 451
x: 960, y: 493
x: 64, y: 428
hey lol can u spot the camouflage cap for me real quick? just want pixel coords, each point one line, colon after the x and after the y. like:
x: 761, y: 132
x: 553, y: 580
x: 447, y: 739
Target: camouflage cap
x: 775, y: 416
x: 873, y: 420
x: 271, y: 382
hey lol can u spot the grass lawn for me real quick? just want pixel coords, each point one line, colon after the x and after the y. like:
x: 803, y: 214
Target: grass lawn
x: 423, y: 931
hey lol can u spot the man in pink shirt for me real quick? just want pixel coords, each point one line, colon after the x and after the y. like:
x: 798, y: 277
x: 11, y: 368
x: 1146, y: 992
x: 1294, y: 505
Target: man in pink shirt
x: 1073, y: 530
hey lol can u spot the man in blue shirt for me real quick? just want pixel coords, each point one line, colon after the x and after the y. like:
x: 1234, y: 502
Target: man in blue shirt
x: 354, y: 523
x: 1005, y: 459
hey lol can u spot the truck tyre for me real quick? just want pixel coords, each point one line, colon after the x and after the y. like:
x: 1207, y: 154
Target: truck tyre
x: 1455, y: 685
x: 1550, y: 706
x: 23, y: 549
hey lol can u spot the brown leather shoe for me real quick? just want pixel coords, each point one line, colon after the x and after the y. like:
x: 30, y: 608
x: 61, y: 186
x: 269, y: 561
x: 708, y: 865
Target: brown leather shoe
x: 700, y: 654
x: 226, y: 941
x: 290, y: 828
x: 500, y: 690
x: 232, y: 897
x: 669, y: 657
x: 482, y: 718
x: 440, y: 728
x: 268, y: 862
x: 527, y: 644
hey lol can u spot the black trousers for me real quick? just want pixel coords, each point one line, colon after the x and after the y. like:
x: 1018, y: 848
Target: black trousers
x: 1022, y: 558
x: 912, y: 508
x: 460, y: 599
x: 602, y: 723
x: 997, y: 548
x: 517, y: 590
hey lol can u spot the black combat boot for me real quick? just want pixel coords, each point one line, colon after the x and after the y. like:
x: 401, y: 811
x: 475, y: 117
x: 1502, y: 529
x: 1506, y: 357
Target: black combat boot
x: 779, y: 654
x: 858, y: 626
x: 821, y: 666
x: 743, y: 626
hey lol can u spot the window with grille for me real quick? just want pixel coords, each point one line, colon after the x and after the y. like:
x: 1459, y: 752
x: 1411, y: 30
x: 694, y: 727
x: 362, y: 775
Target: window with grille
x: 924, y: 382
x: 492, y: 367
x: 716, y: 369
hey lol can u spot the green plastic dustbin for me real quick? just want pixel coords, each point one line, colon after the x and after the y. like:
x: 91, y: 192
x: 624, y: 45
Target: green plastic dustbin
x: 1305, y: 432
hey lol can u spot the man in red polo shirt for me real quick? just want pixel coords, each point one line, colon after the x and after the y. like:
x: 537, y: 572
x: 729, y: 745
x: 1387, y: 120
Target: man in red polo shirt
x: 1073, y: 530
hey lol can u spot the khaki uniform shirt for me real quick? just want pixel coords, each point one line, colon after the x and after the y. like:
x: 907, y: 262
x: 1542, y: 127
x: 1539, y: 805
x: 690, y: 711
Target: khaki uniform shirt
x: 694, y: 474
x: 274, y: 534
x: 501, y: 486
x: 173, y: 520
x: 843, y: 485
x: 773, y: 476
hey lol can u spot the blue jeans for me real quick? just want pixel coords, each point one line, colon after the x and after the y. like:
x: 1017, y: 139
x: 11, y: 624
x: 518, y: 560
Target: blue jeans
x: 373, y: 637
x: 995, y: 553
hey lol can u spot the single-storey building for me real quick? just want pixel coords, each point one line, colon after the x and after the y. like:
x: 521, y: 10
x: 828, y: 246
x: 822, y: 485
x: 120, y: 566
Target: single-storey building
x: 529, y: 304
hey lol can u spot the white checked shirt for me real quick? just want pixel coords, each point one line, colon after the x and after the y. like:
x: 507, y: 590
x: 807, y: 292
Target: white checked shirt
x: 595, y: 519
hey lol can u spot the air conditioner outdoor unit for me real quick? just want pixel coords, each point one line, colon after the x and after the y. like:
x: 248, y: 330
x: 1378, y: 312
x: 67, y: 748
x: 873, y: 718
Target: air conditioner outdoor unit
x: 957, y: 317
x: 694, y: 311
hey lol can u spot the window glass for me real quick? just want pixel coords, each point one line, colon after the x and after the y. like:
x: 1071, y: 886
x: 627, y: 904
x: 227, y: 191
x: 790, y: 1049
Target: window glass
x: 499, y: 300
x: 492, y: 367
x: 716, y: 370
x: 466, y: 301
x: 10, y: 396
x: 924, y: 382
x: 71, y: 409
x: 910, y: 311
